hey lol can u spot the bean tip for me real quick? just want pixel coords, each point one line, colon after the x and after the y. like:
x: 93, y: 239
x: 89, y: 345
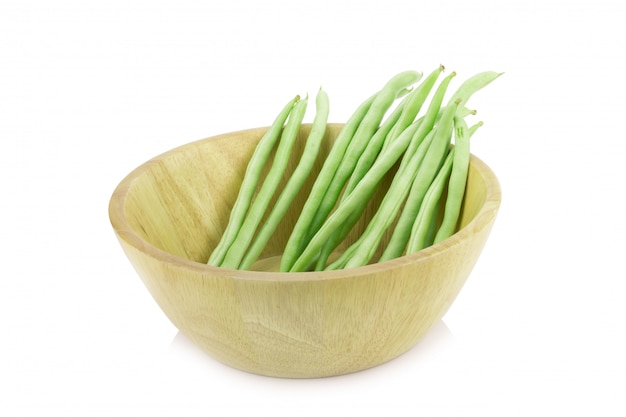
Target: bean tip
x: 442, y: 68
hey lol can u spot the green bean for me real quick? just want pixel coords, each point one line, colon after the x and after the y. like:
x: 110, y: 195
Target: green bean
x: 326, y: 183
x: 434, y: 222
x: 429, y: 120
x: 432, y: 231
x: 369, y: 241
x: 331, y: 244
x: 461, y: 96
x: 296, y: 240
x: 365, y: 162
x: 426, y: 234
x: 249, y: 184
x: 372, y: 150
x: 414, y: 105
x: 458, y: 180
x: 428, y: 210
x: 309, y: 155
x: 340, y: 263
x: 270, y: 184
x: 356, y: 198
x: 425, y: 175
x: 473, y: 128
x: 375, y: 229
x: 440, y: 208
x: 466, y: 112
x: 419, y: 154
x: 345, y: 228
x: 472, y: 85
x: 409, y: 109
x: 402, y: 180
x: 401, y: 232
x: 361, y: 139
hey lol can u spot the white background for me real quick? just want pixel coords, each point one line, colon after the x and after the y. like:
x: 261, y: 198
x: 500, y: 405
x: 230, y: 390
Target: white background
x: 89, y: 90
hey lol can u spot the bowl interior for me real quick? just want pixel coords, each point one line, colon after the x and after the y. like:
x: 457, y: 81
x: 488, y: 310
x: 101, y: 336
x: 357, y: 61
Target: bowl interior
x: 180, y: 201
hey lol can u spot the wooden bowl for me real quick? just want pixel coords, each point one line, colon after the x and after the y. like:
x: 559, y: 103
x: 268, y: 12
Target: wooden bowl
x: 169, y: 213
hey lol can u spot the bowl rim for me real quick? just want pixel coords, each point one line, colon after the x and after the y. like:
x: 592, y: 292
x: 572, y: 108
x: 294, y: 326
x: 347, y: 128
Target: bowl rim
x: 125, y: 232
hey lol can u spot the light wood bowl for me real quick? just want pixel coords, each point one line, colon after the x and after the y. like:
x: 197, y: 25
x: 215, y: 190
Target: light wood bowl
x: 169, y: 213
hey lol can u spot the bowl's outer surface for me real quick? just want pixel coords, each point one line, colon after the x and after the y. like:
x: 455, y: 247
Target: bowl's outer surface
x: 171, y: 211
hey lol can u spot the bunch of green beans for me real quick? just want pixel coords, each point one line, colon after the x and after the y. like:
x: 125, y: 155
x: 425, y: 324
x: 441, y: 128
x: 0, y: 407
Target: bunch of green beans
x: 431, y: 152
x: 236, y: 250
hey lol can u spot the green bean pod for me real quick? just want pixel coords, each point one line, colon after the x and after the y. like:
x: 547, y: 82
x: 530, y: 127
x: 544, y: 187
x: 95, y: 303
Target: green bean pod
x: 303, y: 169
x: 461, y: 96
x: 415, y: 101
x: 373, y: 148
x: 472, y: 85
x: 428, y: 166
x: 355, y: 199
x: 474, y: 128
x: 363, y: 165
x: 340, y: 263
x: 419, y: 187
x: 400, y: 236
x: 345, y: 228
x: 236, y: 251
x: 406, y: 179
x: 382, y: 219
x: 458, y: 180
x: 296, y: 241
x: 409, y: 109
x: 428, y: 210
x: 249, y: 184
x: 359, y: 142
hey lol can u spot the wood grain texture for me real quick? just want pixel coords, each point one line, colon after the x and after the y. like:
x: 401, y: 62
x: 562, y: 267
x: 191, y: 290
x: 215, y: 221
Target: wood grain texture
x: 169, y: 213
